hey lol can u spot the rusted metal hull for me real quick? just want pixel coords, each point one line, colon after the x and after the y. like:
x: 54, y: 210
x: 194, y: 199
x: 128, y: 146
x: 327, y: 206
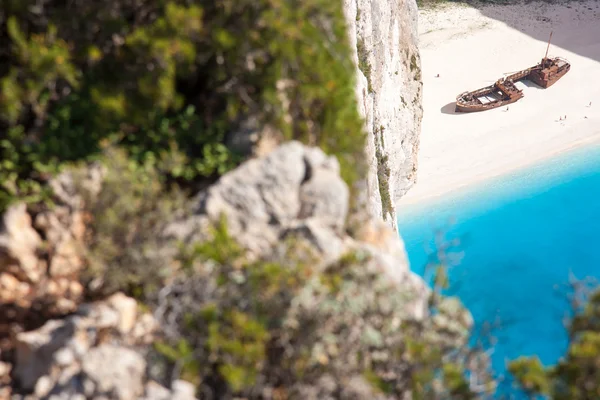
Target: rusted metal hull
x: 465, y: 107
x: 504, y: 92
x: 546, y: 77
x: 501, y: 93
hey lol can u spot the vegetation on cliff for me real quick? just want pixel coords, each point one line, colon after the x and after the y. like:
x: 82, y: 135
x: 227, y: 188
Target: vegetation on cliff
x: 288, y: 322
x: 577, y: 375
x: 280, y: 325
x: 159, y: 93
x: 170, y: 81
x: 383, y: 174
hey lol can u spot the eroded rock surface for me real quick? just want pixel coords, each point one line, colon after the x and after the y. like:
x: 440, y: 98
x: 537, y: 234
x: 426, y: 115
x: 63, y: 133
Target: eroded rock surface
x: 265, y: 197
x: 389, y: 91
x: 100, y: 351
x: 41, y: 254
x: 97, y: 353
x: 294, y: 190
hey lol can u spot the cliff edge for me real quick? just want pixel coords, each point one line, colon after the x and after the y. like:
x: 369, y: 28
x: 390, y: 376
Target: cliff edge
x: 269, y: 249
x: 389, y: 92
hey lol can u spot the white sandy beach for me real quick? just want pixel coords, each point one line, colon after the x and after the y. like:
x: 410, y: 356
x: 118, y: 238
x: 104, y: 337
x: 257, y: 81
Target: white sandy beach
x: 473, y: 47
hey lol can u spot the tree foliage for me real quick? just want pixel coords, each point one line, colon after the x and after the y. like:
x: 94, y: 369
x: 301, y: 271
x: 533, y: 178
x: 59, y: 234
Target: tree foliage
x: 577, y: 375
x: 125, y: 249
x: 171, y: 81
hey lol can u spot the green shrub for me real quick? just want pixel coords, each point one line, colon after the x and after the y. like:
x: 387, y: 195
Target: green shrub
x: 363, y: 63
x: 383, y: 175
x: 125, y: 248
x: 414, y: 67
x: 282, y: 325
x: 169, y: 81
x: 576, y: 376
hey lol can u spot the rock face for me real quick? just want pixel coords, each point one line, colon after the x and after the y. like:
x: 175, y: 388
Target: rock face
x: 99, y: 351
x: 389, y: 91
x: 293, y: 187
x: 294, y: 190
x: 41, y: 256
x: 93, y: 354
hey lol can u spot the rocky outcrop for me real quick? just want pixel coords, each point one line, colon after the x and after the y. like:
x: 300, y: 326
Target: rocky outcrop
x: 294, y: 190
x: 101, y: 350
x: 97, y: 353
x: 41, y: 256
x: 296, y: 193
x: 389, y: 90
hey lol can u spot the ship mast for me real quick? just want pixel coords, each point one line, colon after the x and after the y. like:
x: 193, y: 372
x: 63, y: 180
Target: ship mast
x: 548, y: 48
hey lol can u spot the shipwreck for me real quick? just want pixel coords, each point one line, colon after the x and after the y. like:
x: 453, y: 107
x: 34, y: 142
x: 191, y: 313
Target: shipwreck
x: 504, y: 91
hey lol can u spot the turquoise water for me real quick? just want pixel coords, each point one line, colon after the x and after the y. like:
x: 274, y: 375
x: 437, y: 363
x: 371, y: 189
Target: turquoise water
x: 521, y: 236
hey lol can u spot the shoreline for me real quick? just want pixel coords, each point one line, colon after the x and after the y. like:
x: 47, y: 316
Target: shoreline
x: 458, y: 151
x: 434, y: 194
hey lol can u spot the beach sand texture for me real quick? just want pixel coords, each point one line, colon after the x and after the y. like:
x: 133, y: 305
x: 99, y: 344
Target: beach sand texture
x: 471, y: 47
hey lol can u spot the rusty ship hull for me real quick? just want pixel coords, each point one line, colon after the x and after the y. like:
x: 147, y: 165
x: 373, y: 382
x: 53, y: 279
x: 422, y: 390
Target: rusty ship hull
x: 547, y: 73
x: 489, y: 97
x: 504, y: 92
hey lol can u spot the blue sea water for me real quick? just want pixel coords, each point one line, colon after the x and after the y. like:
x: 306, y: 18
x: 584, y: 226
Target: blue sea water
x: 521, y: 236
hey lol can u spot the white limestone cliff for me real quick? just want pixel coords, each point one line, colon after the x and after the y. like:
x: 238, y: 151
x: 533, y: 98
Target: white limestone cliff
x: 389, y: 89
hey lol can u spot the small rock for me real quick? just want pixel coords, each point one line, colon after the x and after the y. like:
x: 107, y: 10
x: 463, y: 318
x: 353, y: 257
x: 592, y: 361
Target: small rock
x: 268, y: 141
x: 65, y: 190
x: 35, y: 351
x: 103, y: 315
x: 115, y: 371
x: 12, y: 290
x: 5, y: 379
x: 4, y: 368
x: 64, y: 357
x: 18, y: 245
x: 64, y: 306
x: 66, y: 260
x: 143, y: 331
x: 75, y: 289
x: 127, y: 309
x: 327, y: 383
x: 68, y: 373
x: 43, y: 386
x: 81, y: 342
x: 265, y: 197
x: 154, y: 391
x: 89, y: 387
x: 183, y: 390
x: 243, y: 139
x: 5, y: 393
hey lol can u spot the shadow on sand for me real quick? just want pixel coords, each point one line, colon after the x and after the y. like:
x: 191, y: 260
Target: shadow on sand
x: 450, y: 108
x: 541, y: 20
